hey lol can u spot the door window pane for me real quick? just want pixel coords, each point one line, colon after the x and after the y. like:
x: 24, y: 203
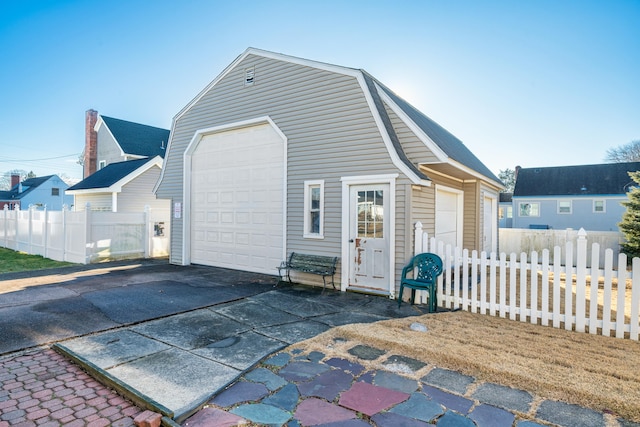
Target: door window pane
x: 370, y: 214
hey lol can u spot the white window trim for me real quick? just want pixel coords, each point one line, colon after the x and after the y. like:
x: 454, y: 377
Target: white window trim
x: 570, y: 207
x: 307, y: 209
x: 102, y: 164
x: 604, y: 206
x: 528, y: 203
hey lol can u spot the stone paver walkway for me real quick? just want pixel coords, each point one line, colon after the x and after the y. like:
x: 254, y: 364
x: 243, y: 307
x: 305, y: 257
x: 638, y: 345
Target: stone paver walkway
x: 41, y: 388
x: 297, y: 388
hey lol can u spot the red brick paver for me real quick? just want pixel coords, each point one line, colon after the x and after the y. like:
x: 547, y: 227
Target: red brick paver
x: 42, y: 388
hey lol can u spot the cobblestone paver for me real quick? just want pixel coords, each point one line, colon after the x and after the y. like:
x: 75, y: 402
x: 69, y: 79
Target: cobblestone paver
x: 41, y: 388
x: 317, y: 390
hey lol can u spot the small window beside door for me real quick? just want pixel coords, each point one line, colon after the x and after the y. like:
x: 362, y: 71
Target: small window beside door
x: 314, y: 209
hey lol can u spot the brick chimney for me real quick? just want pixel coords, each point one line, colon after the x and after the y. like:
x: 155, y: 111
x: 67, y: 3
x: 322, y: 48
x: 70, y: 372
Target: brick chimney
x: 90, y: 143
x: 15, y: 179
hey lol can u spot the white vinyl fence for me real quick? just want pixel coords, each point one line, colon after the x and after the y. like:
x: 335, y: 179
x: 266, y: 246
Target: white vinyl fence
x: 527, y: 240
x: 86, y: 236
x: 540, y: 288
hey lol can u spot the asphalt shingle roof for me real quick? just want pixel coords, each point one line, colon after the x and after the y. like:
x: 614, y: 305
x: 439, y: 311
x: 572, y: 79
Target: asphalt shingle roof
x: 28, y: 185
x: 137, y: 139
x: 109, y: 175
x: 452, y: 146
x: 601, y: 179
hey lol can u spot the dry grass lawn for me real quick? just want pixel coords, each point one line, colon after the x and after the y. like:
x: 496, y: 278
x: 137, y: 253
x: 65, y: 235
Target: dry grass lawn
x: 594, y: 371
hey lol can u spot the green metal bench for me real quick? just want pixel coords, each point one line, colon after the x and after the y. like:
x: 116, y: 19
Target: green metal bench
x: 314, y: 264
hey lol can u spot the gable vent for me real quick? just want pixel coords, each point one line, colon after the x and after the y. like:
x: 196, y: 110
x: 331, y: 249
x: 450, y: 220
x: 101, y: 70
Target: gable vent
x: 249, y: 75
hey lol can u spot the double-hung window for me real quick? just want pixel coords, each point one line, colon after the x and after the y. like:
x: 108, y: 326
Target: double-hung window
x: 564, y: 206
x: 598, y: 206
x: 314, y: 209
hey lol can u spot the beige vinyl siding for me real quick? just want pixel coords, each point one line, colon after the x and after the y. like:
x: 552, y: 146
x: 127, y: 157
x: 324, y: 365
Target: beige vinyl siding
x: 137, y: 194
x: 98, y: 201
x: 108, y: 149
x: 330, y: 130
x: 470, y: 237
x: 415, y: 150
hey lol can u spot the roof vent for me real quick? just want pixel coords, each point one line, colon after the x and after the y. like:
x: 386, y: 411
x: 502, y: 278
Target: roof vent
x: 249, y: 74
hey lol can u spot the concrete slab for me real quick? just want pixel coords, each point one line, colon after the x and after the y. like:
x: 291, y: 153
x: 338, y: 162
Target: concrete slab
x: 241, y: 351
x: 294, y: 332
x: 255, y: 314
x: 151, y: 300
x: 110, y: 349
x: 348, y: 317
x: 195, y: 329
x: 300, y: 306
x: 176, y: 379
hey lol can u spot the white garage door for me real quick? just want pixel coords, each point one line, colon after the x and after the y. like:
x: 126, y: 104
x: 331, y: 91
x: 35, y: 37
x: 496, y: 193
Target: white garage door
x: 237, y: 199
x: 448, y: 215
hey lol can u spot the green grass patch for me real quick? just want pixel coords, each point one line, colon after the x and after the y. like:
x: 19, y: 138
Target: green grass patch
x: 12, y: 261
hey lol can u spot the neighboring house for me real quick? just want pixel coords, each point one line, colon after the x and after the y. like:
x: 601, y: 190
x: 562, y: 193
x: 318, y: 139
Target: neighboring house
x: 122, y: 164
x: 109, y: 140
x: 280, y: 154
x: 587, y: 196
x: 39, y: 192
x: 121, y: 187
x: 505, y: 210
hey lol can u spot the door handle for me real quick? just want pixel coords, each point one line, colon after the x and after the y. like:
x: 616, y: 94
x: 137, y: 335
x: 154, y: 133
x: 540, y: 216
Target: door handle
x: 350, y: 240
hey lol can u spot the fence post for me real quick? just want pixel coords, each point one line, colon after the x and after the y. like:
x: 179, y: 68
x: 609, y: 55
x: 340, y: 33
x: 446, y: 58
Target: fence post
x: 6, y: 229
x: 45, y: 237
x: 147, y: 231
x: 30, y: 246
x: 88, y: 249
x: 581, y: 280
x: 417, y: 243
x: 64, y: 232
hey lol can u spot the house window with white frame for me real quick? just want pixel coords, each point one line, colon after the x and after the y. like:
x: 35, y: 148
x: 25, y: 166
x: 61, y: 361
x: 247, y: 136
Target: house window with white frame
x: 564, y: 206
x: 598, y: 206
x: 505, y: 212
x: 102, y: 164
x: 314, y: 209
x: 529, y: 209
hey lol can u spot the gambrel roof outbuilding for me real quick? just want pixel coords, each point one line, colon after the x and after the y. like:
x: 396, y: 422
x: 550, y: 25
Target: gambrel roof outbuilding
x: 281, y: 154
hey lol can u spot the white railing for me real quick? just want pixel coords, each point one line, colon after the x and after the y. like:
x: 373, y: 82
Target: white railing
x: 541, y: 288
x: 85, y: 236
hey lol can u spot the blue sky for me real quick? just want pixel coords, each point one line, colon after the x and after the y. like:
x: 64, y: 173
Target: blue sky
x: 530, y: 83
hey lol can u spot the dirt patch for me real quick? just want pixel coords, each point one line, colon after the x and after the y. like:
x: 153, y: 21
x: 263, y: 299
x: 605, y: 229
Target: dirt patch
x: 589, y: 370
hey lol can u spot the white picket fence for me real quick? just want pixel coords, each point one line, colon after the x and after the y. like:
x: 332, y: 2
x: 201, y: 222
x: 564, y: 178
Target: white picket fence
x: 540, y: 288
x: 85, y: 236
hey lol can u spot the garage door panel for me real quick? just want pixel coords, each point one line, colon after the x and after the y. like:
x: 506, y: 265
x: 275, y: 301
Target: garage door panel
x: 241, y: 173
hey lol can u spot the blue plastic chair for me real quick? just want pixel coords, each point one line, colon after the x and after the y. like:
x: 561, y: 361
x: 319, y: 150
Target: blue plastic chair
x: 421, y: 274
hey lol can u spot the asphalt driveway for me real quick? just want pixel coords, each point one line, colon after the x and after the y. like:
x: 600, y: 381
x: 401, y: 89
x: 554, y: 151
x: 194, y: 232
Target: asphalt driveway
x: 43, y: 307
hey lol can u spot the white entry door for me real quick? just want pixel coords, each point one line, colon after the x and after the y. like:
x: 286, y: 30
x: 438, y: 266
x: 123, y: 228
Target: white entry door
x: 369, y: 238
